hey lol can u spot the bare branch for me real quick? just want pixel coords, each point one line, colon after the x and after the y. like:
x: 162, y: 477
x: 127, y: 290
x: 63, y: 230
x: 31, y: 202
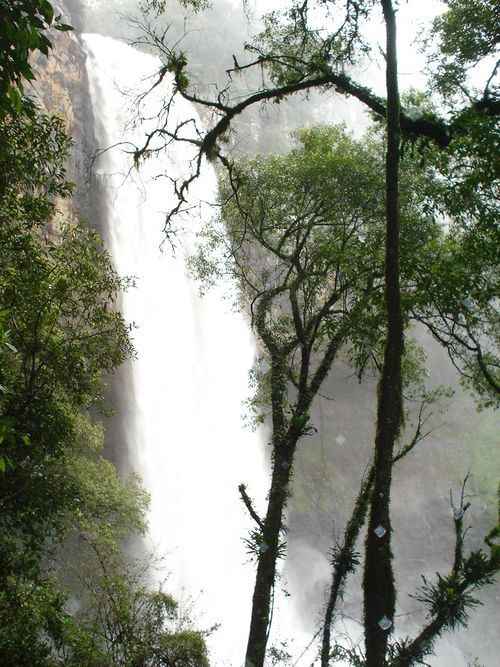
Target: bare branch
x: 248, y: 504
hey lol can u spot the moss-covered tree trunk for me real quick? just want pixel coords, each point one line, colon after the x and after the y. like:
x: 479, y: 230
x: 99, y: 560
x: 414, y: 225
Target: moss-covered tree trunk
x: 345, y: 562
x: 269, y: 553
x: 285, y: 439
x: 378, y: 584
x: 287, y: 431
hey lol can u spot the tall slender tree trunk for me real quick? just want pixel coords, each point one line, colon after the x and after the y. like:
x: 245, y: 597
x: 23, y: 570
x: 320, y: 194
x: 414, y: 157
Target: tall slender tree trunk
x: 286, y: 434
x: 269, y: 553
x: 284, y: 444
x: 378, y: 584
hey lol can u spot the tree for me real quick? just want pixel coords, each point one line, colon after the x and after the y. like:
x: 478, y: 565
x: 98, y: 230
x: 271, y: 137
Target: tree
x: 296, y: 247
x: 379, y: 588
x: 116, y: 618
x: 307, y: 260
x: 124, y: 621
x: 296, y: 56
x: 94, y: 501
x: 55, y: 296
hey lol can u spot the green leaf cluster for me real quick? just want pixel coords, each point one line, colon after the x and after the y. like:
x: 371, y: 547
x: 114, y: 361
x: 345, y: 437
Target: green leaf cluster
x: 24, y: 27
x: 311, y: 223
x: 124, y: 622
x: 457, y: 294
x: 293, y: 48
x: 465, y: 35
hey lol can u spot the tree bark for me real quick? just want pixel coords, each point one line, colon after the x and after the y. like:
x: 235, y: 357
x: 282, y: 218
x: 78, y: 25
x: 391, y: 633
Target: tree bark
x: 286, y: 435
x: 378, y: 583
x: 269, y: 553
x: 344, y: 563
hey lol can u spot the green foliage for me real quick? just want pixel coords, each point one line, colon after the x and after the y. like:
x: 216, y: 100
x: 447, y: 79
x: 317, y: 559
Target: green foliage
x: 160, y: 6
x: 294, y: 48
x: 65, y: 334
x: 55, y: 296
x: 466, y: 35
x: 278, y: 655
x: 444, y: 598
x: 312, y: 222
x: 117, y: 618
x: 104, y: 507
x: 32, y: 618
x: 287, y: 229
x: 33, y: 151
x: 59, y: 332
x: 124, y: 622
x: 24, y: 27
x: 59, y: 293
x: 177, y: 64
x: 457, y: 296
x: 10, y: 437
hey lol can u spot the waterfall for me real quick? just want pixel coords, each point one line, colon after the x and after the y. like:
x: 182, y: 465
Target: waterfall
x: 191, y: 373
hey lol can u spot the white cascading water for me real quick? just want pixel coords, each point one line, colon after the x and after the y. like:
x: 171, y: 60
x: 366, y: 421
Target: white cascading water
x: 191, y: 373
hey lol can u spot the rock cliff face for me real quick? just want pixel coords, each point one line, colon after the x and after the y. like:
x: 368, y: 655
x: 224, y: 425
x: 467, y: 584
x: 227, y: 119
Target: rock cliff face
x: 61, y: 87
